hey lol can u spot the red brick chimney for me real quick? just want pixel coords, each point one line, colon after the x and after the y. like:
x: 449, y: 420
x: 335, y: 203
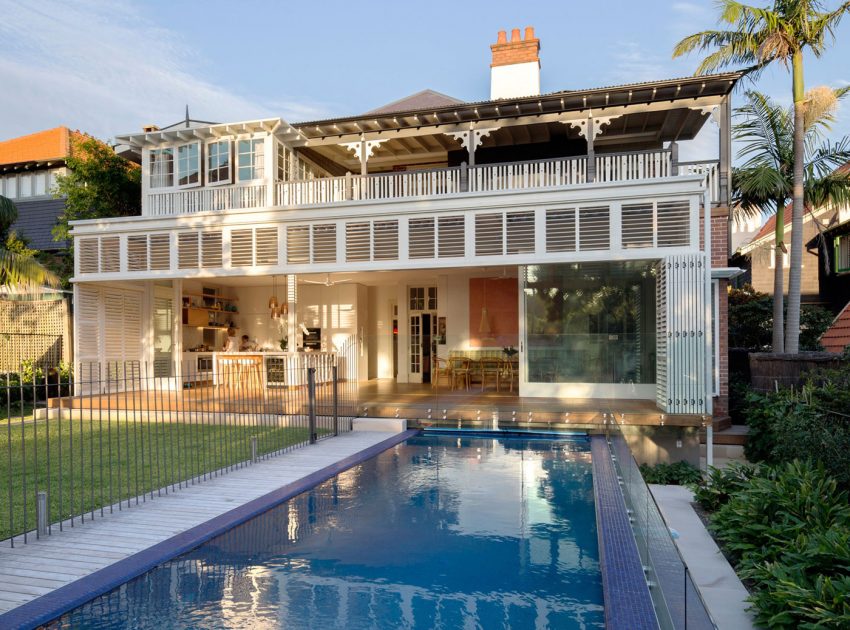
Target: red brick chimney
x: 515, y: 68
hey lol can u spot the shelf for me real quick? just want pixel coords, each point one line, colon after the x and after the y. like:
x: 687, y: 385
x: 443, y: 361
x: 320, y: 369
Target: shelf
x: 211, y: 310
x: 211, y: 297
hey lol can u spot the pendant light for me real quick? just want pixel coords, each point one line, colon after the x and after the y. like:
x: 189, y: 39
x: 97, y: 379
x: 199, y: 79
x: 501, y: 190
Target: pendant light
x: 273, y: 303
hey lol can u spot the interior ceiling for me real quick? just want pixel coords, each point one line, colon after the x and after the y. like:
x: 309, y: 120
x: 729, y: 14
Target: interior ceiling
x: 630, y: 131
x: 370, y: 278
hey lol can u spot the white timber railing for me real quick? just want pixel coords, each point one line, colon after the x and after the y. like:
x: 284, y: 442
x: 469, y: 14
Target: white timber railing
x: 558, y: 172
x: 205, y: 199
x: 707, y: 168
x: 523, y: 175
x: 621, y: 167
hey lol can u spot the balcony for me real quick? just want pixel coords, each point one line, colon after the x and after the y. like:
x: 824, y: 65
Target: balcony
x: 537, y: 174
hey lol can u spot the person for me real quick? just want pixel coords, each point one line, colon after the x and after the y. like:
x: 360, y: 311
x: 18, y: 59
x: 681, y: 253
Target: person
x: 230, y: 344
x: 247, y: 345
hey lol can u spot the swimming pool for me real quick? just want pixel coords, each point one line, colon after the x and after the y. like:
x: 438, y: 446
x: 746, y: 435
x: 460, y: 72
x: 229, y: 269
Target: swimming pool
x: 439, y: 531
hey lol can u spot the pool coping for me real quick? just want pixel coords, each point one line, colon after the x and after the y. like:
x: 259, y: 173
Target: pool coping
x: 628, y: 603
x: 53, y: 605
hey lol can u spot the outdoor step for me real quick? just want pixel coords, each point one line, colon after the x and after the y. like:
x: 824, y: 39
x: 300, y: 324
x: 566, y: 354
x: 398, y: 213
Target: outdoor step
x: 735, y: 435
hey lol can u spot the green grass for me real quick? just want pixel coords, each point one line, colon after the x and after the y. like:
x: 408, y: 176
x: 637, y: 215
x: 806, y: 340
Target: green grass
x: 103, y: 462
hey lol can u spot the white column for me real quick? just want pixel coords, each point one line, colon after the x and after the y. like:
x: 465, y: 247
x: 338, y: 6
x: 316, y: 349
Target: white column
x: 292, y: 307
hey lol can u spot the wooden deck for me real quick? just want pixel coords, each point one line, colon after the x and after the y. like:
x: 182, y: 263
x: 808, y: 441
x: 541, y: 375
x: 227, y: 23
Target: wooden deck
x: 28, y: 571
x: 421, y: 404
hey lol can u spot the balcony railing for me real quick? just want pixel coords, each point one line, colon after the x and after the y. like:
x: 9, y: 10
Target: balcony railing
x: 570, y: 171
x: 204, y: 199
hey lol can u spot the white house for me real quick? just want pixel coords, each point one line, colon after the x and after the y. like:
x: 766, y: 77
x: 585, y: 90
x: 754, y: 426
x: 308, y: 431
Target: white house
x: 561, y: 224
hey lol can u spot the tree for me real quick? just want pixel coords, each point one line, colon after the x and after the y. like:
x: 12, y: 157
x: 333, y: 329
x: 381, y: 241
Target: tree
x: 99, y: 184
x: 18, y: 267
x: 764, y: 183
x: 759, y: 37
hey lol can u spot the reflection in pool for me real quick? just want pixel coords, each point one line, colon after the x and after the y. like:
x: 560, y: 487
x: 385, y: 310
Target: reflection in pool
x: 438, y: 532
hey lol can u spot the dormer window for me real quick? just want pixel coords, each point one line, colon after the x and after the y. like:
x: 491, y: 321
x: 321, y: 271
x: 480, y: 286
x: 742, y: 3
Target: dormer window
x: 189, y: 164
x: 218, y: 162
x: 162, y: 168
x: 250, y: 159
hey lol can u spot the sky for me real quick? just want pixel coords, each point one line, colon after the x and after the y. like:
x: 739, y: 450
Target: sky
x: 110, y: 67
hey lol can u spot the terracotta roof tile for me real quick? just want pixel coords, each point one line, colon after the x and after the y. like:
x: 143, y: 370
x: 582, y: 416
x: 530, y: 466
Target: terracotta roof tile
x: 43, y: 145
x: 837, y: 336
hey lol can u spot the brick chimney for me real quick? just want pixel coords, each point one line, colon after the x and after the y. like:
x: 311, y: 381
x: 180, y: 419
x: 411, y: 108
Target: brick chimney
x: 515, y: 69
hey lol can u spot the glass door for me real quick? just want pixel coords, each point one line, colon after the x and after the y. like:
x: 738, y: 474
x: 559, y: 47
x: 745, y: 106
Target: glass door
x: 415, y: 354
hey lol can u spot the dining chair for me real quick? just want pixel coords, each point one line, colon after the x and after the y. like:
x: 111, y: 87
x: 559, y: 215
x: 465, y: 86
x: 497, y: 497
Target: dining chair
x: 490, y: 372
x: 442, y: 369
x: 459, y: 367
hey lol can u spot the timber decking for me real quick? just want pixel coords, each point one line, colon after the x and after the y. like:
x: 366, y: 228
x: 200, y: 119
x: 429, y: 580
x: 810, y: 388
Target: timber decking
x: 28, y: 571
x: 421, y: 404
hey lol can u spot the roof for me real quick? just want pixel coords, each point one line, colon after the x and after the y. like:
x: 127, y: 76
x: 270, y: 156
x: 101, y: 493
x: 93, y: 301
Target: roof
x: 566, y: 100
x: 768, y: 229
x: 50, y: 144
x: 837, y: 336
x: 425, y: 99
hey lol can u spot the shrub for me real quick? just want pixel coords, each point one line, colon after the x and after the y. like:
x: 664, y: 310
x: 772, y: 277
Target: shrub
x: 714, y: 490
x: 677, y: 474
x: 765, y: 516
x: 787, y: 528
x: 811, y: 423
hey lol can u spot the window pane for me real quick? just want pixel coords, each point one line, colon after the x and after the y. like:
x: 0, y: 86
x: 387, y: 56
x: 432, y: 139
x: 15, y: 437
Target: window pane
x: 188, y: 164
x: 161, y: 168
x: 590, y: 323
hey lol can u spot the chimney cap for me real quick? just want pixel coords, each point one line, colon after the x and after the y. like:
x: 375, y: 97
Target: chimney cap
x: 150, y: 128
x: 515, y: 37
x: 502, y: 38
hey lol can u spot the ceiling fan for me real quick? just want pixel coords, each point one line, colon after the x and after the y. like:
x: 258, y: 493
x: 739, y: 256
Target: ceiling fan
x: 327, y: 281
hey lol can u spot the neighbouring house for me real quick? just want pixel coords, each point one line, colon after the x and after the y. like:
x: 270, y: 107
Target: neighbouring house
x: 757, y: 255
x: 837, y: 336
x: 563, y: 225
x: 28, y: 169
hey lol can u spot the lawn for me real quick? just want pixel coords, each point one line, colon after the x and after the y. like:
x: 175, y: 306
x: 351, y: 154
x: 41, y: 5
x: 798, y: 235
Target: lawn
x: 90, y: 463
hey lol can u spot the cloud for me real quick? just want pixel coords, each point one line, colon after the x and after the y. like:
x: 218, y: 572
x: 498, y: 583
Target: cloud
x: 106, y: 69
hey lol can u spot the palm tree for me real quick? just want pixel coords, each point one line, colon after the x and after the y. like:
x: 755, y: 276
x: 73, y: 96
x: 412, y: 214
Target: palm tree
x: 18, y: 270
x: 758, y: 37
x: 764, y: 183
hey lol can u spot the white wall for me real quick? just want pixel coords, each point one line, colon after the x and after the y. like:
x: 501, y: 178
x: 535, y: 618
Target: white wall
x: 514, y: 80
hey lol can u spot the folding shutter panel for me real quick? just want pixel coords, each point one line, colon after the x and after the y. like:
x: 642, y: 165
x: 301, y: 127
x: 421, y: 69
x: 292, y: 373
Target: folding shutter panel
x: 685, y: 321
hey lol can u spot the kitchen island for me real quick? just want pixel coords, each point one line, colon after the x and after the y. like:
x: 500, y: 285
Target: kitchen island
x: 274, y: 369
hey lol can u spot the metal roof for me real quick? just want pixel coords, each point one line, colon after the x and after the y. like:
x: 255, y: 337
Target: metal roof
x: 552, y: 102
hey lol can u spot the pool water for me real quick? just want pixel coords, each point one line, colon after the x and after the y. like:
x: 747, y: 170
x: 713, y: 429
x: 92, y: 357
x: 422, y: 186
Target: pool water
x: 437, y: 532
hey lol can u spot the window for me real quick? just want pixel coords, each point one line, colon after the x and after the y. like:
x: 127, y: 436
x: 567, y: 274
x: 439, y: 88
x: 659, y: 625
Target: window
x: 250, y: 159
x: 218, y: 162
x: 40, y: 188
x: 189, y: 164
x: 423, y: 298
x: 26, y: 186
x: 161, y: 168
x: 842, y: 253
x: 11, y: 188
x: 283, y: 159
x: 786, y: 260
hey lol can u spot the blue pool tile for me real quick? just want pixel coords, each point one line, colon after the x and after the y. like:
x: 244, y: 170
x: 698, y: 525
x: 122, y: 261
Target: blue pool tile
x: 628, y: 604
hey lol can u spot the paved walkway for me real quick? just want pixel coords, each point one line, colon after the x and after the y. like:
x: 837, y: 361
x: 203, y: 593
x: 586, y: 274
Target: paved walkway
x: 35, y: 569
x: 721, y: 590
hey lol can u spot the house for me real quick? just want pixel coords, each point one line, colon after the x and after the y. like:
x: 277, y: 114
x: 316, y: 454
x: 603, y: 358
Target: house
x: 29, y: 166
x: 563, y: 225
x: 757, y: 255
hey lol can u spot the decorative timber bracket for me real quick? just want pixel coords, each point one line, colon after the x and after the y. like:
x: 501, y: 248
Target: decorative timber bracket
x: 471, y: 139
x: 363, y: 150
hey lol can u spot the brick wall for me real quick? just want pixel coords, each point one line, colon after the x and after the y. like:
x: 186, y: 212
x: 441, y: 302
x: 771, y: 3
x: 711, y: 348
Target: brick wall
x: 518, y: 50
x: 720, y: 258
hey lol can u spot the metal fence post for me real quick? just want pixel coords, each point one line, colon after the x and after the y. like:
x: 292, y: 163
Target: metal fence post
x: 41, y: 513
x: 335, y: 399
x: 253, y: 449
x: 311, y: 403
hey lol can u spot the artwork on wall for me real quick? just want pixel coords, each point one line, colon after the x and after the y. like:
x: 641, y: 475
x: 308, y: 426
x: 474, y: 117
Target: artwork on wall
x: 493, y: 312
x: 441, y: 330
